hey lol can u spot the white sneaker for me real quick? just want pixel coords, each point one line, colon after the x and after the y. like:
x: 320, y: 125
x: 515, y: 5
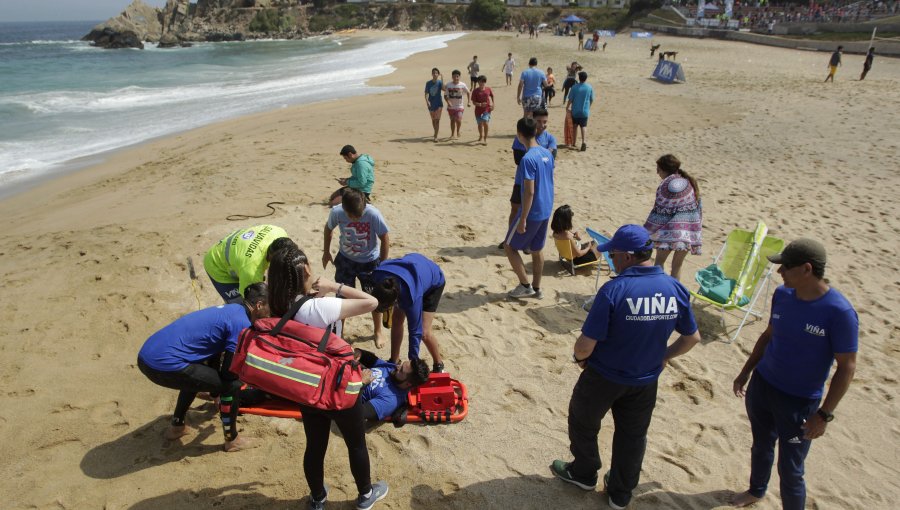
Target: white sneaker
x: 521, y: 292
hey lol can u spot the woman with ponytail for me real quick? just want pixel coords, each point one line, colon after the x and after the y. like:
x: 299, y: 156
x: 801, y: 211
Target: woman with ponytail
x: 290, y: 278
x: 675, y: 223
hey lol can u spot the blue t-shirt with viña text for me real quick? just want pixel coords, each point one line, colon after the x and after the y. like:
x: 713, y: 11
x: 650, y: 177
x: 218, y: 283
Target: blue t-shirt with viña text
x: 382, y: 392
x: 805, y: 337
x: 631, y: 319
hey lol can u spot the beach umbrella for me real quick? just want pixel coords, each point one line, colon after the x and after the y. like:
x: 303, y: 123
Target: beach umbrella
x: 571, y: 18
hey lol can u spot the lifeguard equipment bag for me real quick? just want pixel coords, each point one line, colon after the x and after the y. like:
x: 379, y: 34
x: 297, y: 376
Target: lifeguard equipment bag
x: 298, y: 362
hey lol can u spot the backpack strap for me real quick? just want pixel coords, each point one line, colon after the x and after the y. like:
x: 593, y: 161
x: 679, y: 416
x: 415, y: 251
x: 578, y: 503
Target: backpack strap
x: 323, y: 343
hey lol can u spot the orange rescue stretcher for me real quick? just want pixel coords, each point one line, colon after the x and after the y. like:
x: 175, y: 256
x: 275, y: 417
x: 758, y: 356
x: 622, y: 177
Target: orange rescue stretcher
x: 440, y: 400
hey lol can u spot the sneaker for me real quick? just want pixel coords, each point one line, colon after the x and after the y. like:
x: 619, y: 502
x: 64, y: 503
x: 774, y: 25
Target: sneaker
x: 612, y: 504
x: 438, y: 368
x: 521, y: 291
x: 538, y: 293
x: 560, y: 469
x: 378, y: 492
x: 318, y: 505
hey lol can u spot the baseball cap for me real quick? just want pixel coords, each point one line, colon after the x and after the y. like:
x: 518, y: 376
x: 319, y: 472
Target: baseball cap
x: 799, y: 252
x: 347, y: 149
x: 628, y: 238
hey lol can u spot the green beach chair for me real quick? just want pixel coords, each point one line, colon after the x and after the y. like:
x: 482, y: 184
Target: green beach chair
x: 735, y: 280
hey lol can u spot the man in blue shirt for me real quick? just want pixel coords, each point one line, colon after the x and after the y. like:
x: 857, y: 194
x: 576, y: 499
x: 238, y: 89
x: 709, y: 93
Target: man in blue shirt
x: 528, y: 231
x: 622, y: 350
x: 581, y: 97
x: 364, y: 243
x: 415, y: 284
x: 811, y: 326
x: 531, y: 88
x: 545, y: 140
x: 185, y: 356
x: 387, y: 384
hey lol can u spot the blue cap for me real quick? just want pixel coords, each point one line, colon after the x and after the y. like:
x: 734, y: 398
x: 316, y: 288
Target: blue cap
x: 628, y: 238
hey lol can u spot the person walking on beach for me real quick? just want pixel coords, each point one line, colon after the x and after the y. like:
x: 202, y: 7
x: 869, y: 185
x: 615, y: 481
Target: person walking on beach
x: 434, y: 89
x: 290, y: 277
x: 622, y: 350
x: 580, y: 38
x: 241, y: 258
x: 454, y: 96
x: 474, y: 70
x: 528, y: 231
x: 362, y: 174
x: 812, y: 325
x: 509, y: 68
x: 581, y: 97
x: 531, y: 86
x: 186, y: 356
x: 676, y: 221
x: 483, y: 99
x: 545, y: 140
x: 363, y: 244
x: 833, y: 63
x: 549, y: 90
x: 415, y: 285
x: 571, y: 79
x: 867, y: 65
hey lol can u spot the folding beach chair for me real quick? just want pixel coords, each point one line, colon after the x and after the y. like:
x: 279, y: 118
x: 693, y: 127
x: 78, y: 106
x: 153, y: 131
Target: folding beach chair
x: 610, y: 269
x: 734, y: 281
x: 567, y: 258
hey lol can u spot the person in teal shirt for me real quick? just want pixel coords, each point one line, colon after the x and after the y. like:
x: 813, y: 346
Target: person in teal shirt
x: 362, y: 174
x: 581, y: 97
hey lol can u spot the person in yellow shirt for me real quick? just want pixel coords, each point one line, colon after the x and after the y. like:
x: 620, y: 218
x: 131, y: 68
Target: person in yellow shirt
x: 242, y: 259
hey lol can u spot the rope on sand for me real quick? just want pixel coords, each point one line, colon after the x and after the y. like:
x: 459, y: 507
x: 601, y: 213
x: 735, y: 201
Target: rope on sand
x: 241, y: 217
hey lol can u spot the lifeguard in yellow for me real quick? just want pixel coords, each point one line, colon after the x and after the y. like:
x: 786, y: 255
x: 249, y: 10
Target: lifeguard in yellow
x: 242, y: 258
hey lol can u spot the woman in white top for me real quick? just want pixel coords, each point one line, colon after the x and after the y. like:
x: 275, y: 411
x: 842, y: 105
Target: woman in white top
x: 290, y: 277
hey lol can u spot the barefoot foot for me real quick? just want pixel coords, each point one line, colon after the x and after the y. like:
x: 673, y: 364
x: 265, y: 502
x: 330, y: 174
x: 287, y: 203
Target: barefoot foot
x: 379, y: 340
x: 743, y: 499
x: 240, y: 443
x: 174, y: 432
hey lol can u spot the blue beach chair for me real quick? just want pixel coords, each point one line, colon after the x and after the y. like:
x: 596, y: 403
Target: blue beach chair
x: 610, y: 268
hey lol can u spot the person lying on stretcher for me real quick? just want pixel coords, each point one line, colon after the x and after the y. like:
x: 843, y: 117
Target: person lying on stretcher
x: 387, y: 385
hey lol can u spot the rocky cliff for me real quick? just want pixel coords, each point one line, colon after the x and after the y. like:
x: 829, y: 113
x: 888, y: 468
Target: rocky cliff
x: 180, y: 21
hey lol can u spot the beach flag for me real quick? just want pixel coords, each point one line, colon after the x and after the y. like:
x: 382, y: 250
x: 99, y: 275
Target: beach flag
x: 669, y: 71
x: 729, y: 8
x: 701, y: 8
x: 641, y: 35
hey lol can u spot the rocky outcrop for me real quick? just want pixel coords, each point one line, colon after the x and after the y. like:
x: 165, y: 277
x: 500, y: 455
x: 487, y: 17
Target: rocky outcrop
x: 181, y: 21
x: 111, y: 39
x: 138, y: 19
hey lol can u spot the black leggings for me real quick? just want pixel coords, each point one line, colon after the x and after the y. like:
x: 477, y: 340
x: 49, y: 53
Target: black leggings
x: 193, y: 379
x: 317, y: 426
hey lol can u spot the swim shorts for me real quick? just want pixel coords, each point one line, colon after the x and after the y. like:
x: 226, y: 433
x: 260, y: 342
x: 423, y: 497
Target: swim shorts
x: 531, y: 103
x: 432, y: 298
x: 579, y: 121
x: 347, y: 271
x: 484, y: 117
x: 833, y: 71
x: 436, y: 113
x: 455, y: 114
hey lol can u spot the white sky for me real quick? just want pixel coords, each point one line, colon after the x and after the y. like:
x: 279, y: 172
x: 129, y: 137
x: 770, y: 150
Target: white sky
x: 65, y: 10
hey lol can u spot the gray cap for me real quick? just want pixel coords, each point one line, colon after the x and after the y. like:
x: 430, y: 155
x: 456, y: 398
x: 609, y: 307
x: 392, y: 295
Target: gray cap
x: 800, y: 252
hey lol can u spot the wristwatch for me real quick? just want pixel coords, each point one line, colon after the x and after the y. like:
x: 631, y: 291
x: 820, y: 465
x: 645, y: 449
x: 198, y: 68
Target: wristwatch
x: 825, y: 415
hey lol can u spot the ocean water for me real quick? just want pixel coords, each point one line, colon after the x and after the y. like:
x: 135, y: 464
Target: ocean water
x: 61, y: 99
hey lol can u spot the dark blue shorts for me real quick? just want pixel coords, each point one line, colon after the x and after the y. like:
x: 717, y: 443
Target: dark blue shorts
x: 533, y: 239
x: 347, y: 271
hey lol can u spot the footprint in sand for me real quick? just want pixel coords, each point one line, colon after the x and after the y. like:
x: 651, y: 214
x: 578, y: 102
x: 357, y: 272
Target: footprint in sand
x: 465, y: 232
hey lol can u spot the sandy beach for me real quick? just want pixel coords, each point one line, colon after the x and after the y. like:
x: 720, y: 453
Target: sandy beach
x: 96, y: 262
